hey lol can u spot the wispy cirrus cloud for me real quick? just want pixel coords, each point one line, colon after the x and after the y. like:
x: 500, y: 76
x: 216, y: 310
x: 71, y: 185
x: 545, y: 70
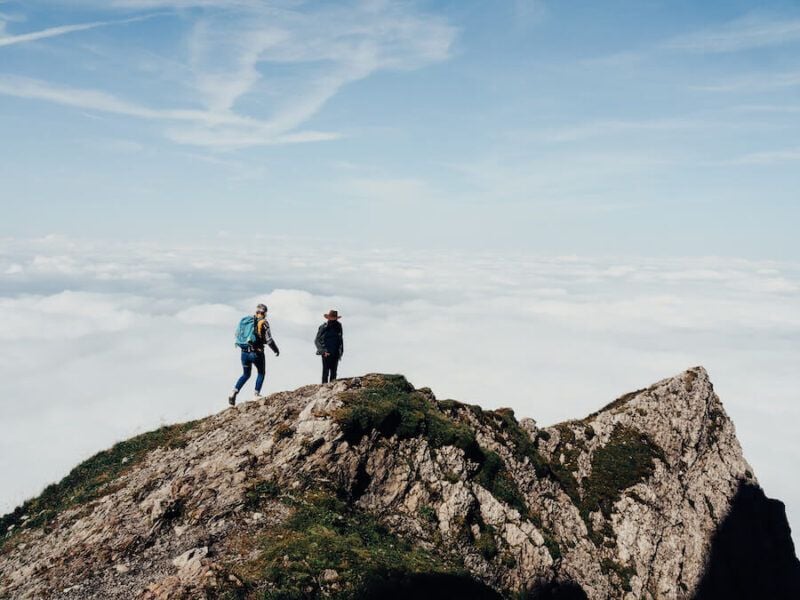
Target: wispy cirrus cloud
x: 769, y: 157
x: 179, y: 4
x: 205, y: 122
x: 754, y: 82
x: 8, y: 40
x: 745, y: 33
x: 751, y: 31
x: 236, y: 53
x: 32, y: 36
x: 608, y: 127
x: 328, y: 47
x: 235, y: 137
x: 36, y: 89
x: 769, y: 108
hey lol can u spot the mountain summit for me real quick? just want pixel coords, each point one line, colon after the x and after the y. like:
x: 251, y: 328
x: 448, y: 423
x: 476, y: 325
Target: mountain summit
x: 370, y: 488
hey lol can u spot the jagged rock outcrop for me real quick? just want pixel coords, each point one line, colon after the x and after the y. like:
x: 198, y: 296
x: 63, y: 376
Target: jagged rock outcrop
x: 370, y: 488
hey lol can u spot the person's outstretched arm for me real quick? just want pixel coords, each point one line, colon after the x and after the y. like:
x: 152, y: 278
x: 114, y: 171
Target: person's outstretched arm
x: 268, y: 339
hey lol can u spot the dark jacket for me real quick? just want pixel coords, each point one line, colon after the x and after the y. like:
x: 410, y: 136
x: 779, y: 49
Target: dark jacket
x: 263, y: 336
x: 330, y: 339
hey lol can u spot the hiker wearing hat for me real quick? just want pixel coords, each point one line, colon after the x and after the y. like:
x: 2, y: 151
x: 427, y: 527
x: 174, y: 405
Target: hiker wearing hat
x: 330, y: 345
x: 251, y: 336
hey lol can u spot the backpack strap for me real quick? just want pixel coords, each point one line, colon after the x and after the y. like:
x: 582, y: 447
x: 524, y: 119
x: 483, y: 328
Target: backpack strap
x: 251, y: 347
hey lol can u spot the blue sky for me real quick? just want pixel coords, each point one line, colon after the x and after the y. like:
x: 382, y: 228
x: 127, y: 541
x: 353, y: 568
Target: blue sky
x: 647, y: 128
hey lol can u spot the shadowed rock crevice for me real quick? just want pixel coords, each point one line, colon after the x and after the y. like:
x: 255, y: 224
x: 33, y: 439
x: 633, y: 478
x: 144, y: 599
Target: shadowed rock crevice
x: 434, y: 586
x: 361, y: 482
x: 751, y: 554
x: 557, y: 590
x: 428, y: 586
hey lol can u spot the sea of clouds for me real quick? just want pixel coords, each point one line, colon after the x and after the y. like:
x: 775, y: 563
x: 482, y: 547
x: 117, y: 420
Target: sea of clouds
x: 100, y: 341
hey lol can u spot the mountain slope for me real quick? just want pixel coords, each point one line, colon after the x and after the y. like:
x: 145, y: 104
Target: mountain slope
x: 370, y: 488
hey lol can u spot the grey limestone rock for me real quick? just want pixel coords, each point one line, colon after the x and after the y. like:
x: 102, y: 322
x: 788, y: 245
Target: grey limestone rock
x: 649, y: 497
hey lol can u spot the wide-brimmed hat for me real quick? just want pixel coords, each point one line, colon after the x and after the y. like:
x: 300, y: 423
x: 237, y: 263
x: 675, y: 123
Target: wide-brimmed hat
x: 332, y: 314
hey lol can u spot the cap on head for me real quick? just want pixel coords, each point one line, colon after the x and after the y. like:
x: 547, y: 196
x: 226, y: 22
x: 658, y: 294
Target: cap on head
x: 261, y: 308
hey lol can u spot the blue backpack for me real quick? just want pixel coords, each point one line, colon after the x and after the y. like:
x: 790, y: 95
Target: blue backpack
x: 246, y: 332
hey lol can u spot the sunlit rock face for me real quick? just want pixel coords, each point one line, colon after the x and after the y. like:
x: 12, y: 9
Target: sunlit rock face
x: 370, y: 488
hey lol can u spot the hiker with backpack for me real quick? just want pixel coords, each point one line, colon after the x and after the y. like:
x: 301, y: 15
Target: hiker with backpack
x: 330, y: 345
x: 252, y: 335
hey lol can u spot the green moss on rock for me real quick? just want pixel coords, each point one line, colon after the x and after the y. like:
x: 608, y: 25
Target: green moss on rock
x: 453, y: 406
x: 564, y: 472
x: 552, y: 545
x: 428, y: 513
x: 486, y: 543
x: 618, y: 403
x: 325, y: 535
x: 524, y: 448
x: 92, y: 479
x: 625, y: 460
x: 260, y: 492
x: 389, y: 405
x: 494, y: 476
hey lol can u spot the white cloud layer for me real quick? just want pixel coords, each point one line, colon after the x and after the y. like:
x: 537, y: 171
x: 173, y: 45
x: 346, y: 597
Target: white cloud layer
x: 101, y: 341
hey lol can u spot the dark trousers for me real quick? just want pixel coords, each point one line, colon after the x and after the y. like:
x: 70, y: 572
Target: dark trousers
x: 248, y: 360
x: 329, y: 366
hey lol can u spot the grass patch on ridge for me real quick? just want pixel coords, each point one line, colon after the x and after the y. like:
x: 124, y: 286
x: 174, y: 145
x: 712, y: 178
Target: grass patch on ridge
x: 625, y: 460
x: 92, y: 479
x: 325, y: 534
x: 391, y: 406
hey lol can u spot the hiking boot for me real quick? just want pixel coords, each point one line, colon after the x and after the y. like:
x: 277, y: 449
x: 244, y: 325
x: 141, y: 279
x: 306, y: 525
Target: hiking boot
x: 258, y: 396
x: 232, y: 398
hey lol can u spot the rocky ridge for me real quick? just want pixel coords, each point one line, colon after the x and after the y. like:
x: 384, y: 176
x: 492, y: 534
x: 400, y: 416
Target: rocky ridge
x: 368, y: 487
